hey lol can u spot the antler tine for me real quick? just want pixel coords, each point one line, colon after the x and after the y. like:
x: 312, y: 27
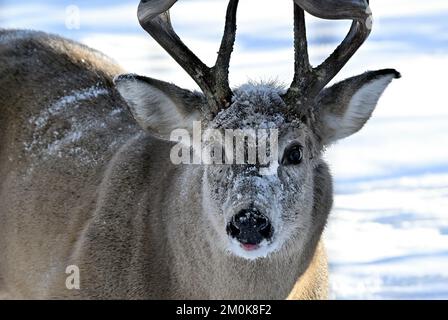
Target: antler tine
x: 336, y: 61
x: 335, y: 9
x: 308, y: 82
x: 221, y: 68
x: 154, y: 18
x: 302, y: 67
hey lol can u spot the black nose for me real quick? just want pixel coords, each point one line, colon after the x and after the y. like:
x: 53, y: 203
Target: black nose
x: 249, y: 226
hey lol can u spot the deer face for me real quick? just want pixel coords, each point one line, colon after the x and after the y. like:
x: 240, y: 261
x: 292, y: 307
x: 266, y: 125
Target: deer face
x: 255, y: 209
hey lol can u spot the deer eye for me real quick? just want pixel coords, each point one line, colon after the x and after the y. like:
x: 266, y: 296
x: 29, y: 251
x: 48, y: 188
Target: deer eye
x: 293, y: 155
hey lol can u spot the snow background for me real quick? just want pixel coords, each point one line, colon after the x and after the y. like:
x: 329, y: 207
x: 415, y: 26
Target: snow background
x: 388, y: 234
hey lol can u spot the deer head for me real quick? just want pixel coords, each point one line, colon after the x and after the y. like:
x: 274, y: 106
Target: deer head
x: 254, y: 214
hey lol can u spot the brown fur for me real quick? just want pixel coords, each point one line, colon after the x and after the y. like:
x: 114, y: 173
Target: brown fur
x: 53, y: 217
x: 82, y: 184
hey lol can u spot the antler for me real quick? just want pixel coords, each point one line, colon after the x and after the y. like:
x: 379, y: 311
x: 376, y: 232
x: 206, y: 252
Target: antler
x: 309, y: 81
x: 154, y: 17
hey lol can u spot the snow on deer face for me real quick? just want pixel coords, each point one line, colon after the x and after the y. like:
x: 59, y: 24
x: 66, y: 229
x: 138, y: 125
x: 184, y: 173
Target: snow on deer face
x: 256, y: 207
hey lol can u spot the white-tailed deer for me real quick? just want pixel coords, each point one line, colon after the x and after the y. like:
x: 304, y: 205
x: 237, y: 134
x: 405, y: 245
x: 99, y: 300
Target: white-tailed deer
x: 88, y: 185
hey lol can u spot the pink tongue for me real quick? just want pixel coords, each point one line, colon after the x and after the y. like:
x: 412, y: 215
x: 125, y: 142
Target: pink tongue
x: 250, y: 247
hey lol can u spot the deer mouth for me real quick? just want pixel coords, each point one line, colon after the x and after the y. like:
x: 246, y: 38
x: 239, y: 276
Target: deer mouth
x: 250, y: 247
x: 252, y: 251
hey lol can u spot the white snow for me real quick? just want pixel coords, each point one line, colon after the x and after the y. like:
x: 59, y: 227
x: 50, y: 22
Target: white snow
x: 388, y: 233
x: 272, y: 170
x: 389, y: 238
x: 54, y: 146
x: 74, y: 97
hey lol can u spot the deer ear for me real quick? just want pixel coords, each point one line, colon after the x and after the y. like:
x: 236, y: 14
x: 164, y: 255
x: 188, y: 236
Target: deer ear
x: 159, y: 107
x: 344, y: 108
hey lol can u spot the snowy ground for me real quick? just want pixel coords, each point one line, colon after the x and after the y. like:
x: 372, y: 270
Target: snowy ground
x: 388, y: 235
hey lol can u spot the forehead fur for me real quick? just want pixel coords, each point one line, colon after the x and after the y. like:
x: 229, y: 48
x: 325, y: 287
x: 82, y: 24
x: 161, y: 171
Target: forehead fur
x: 254, y: 106
x: 261, y: 106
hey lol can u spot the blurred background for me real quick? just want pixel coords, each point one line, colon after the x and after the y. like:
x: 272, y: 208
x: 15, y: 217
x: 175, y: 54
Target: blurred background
x: 388, y: 233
